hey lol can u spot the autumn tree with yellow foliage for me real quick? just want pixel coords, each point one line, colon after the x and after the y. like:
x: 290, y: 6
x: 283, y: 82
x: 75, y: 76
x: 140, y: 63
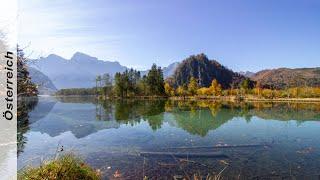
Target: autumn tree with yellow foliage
x: 168, y: 89
x: 215, y: 88
x: 193, y: 86
x: 181, y: 91
x: 203, y: 91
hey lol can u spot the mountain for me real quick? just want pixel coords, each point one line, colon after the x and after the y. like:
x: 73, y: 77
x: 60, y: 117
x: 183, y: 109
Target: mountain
x: 167, y: 71
x: 284, y: 77
x: 205, y: 70
x: 78, y: 72
x: 247, y: 73
x: 45, y: 85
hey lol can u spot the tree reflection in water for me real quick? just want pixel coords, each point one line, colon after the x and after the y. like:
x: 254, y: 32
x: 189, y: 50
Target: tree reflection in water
x: 199, y: 117
x: 81, y: 117
x: 195, y: 117
x: 25, y: 105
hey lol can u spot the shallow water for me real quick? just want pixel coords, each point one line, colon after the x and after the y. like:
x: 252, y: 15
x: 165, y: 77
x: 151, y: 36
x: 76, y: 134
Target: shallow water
x: 283, y: 137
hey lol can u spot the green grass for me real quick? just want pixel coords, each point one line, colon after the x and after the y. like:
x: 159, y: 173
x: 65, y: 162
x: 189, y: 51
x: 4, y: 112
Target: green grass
x: 66, y: 167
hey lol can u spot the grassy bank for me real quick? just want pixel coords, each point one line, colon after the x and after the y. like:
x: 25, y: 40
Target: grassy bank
x: 66, y: 167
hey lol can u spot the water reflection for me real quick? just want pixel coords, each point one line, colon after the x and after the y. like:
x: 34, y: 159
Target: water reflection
x: 96, y: 128
x: 85, y: 115
x: 25, y: 106
x: 132, y: 112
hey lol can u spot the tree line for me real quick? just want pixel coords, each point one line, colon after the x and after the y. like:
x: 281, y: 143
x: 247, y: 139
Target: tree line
x: 125, y: 84
x: 246, y: 89
x: 130, y: 83
x: 195, y: 76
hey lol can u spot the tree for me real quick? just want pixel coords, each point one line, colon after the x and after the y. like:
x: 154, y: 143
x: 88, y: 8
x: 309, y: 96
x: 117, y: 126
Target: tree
x: 25, y: 86
x: 267, y: 93
x: 106, y: 79
x: 143, y: 86
x: 192, y: 86
x: 181, y: 91
x: 215, y: 88
x: 118, y: 87
x: 203, y: 91
x: 107, y: 85
x: 155, y: 80
x: 257, y: 90
x: 245, y: 85
x: 127, y: 83
x: 132, y: 78
x: 168, y: 89
x: 98, y: 84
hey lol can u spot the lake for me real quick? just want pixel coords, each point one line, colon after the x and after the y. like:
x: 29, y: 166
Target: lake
x: 163, y: 138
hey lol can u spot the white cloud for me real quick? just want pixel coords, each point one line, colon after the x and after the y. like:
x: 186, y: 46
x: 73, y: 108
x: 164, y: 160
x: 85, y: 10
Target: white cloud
x: 63, y: 27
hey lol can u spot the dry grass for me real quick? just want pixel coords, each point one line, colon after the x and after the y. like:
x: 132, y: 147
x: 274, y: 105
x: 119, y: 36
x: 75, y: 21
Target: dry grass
x: 210, y: 176
x: 67, y: 167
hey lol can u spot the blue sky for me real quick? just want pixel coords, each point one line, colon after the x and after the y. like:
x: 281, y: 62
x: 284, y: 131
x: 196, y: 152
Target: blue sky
x: 242, y: 35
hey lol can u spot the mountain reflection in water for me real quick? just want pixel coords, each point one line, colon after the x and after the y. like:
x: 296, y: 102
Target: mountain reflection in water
x: 97, y: 128
x: 80, y: 114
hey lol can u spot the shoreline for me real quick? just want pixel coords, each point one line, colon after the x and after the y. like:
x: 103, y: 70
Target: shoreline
x: 211, y: 98
x: 245, y: 99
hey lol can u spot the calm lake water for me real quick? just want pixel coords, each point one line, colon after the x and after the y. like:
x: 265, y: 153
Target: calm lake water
x: 283, y: 138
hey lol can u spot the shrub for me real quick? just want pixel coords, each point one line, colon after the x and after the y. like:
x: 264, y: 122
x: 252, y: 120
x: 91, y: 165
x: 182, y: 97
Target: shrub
x: 203, y: 91
x: 267, y: 93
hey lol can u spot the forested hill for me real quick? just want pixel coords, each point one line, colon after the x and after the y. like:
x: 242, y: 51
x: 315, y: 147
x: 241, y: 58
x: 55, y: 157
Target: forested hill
x: 285, y: 78
x: 205, y: 70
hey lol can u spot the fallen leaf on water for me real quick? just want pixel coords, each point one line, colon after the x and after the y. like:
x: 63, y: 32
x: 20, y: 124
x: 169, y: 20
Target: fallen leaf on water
x: 117, y: 174
x: 98, y: 172
x: 176, y: 177
x: 224, y: 162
